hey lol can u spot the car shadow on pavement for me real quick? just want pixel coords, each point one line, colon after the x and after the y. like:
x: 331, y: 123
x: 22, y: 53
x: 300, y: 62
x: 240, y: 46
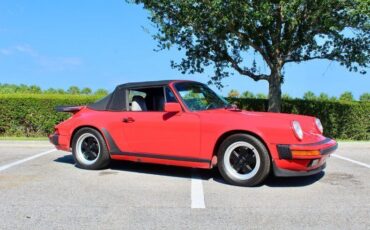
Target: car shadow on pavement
x: 204, y: 174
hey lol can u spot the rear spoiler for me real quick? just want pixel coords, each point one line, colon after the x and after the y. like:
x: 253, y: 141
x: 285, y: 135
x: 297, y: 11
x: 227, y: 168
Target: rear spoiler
x: 69, y: 109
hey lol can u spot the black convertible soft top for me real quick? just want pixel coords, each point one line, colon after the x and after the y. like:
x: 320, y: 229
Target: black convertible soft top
x: 116, y: 101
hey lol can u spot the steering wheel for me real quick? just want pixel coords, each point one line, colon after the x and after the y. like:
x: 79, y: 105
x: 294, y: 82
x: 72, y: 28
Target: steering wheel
x: 210, y: 106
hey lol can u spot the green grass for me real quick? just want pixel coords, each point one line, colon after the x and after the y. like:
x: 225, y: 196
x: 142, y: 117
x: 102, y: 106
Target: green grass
x: 6, y: 138
x: 344, y: 140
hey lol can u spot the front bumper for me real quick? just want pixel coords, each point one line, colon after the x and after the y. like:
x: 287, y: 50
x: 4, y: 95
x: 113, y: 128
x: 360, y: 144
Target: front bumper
x: 291, y: 173
x: 302, y: 159
x: 307, y: 151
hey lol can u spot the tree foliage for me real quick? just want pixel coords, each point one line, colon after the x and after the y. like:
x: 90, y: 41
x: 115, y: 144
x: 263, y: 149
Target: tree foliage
x: 101, y: 92
x: 346, y: 96
x: 73, y: 90
x: 309, y: 95
x: 34, y: 89
x: 233, y: 93
x: 365, y: 97
x: 221, y: 34
x: 86, y: 91
x: 247, y: 94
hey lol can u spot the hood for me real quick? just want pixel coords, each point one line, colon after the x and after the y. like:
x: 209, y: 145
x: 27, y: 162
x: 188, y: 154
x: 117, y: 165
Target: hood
x: 278, y: 125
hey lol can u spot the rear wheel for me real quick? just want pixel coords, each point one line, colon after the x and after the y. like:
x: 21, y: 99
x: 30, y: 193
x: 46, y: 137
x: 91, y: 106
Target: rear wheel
x: 243, y: 160
x: 89, y: 149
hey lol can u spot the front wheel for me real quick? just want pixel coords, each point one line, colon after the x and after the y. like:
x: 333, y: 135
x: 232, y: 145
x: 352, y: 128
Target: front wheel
x: 89, y: 149
x: 243, y: 160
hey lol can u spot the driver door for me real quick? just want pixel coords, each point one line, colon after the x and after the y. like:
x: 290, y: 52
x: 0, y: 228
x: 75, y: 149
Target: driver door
x: 153, y: 131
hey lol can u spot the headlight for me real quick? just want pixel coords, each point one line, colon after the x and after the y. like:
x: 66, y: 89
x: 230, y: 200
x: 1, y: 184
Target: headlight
x: 319, y: 125
x: 297, y: 130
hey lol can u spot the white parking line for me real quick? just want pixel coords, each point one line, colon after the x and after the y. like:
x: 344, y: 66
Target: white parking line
x: 4, y: 167
x: 197, y: 195
x: 350, y: 160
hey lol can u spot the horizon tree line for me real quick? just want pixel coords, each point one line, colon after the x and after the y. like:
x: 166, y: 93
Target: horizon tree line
x: 75, y: 90
x: 309, y: 95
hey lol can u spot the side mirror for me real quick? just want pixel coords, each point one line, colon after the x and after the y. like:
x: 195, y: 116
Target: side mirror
x: 172, y: 107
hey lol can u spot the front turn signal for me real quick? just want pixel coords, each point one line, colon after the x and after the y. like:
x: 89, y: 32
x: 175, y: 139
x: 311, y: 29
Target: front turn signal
x: 303, y: 153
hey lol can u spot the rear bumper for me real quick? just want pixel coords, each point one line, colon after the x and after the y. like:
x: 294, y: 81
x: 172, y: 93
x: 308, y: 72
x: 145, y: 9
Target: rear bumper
x: 54, y: 139
x: 61, y: 142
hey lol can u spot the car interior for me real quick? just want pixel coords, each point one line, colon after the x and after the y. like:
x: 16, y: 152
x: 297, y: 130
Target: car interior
x: 147, y: 99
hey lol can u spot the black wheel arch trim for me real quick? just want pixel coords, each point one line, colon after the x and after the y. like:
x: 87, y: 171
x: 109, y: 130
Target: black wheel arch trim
x: 114, y: 150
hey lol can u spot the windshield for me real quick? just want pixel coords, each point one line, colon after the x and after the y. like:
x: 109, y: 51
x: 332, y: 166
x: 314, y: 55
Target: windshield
x: 197, y: 96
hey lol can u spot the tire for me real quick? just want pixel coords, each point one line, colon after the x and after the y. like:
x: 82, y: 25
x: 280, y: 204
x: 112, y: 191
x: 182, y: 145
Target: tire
x: 90, y: 150
x: 243, y: 160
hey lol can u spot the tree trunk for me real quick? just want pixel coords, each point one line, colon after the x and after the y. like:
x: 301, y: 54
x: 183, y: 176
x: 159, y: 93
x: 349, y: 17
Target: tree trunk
x: 275, y: 91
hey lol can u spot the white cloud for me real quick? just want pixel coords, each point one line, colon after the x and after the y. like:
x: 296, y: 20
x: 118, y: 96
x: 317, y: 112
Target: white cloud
x: 26, y: 49
x: 46, y: 62
x: 5, y: 51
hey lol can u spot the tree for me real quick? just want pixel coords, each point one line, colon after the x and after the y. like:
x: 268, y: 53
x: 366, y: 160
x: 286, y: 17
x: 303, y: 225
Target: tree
x: 286, y: 96
x: 101, y: 92
x: 333, y: 98
x: 233, y: 93
x: 51, y: 91
x: 261, y: 96
x: 34, y: 89
x: 73, y: 90
x: 346, y: 96
x: 309, y: 95
x: 22, y: 88
x: 222, y: 34
x: 86, y: 91
x: 61, y: 91
x: 323, y: 97
x: 365, y: 97
x: 247, y: 94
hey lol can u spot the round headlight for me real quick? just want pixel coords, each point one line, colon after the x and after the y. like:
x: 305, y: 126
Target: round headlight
x: 297, y: 130
x: 319, y: 125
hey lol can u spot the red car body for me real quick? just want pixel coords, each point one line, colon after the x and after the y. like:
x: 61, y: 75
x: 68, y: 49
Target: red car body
x: 191, y: 138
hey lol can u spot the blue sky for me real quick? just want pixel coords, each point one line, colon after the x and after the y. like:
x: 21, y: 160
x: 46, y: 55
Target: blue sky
x: 100, y: 44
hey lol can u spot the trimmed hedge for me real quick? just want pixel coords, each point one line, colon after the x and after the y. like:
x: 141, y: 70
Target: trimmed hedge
x: 33, y: 115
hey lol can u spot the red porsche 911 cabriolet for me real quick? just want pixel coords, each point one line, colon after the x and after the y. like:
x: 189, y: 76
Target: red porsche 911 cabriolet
x: 185, y: 123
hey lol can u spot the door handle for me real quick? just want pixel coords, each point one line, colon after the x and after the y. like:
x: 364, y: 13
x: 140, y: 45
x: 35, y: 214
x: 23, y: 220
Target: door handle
x: 128, y: 120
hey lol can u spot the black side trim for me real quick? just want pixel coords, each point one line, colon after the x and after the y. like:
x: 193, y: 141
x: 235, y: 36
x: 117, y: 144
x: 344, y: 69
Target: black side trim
x: 290, y: 173
x: 114, y: 150
x: 165, y: 157
x: 329, y: 150
x: 284, y: 152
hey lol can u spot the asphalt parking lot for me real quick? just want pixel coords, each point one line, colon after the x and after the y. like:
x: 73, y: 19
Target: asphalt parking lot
x: 40, y: 188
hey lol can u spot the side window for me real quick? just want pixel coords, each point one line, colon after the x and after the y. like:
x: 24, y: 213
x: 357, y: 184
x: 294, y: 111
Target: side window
x: 146, y: 99
x: 170, y: 97
x: 136, y: 100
